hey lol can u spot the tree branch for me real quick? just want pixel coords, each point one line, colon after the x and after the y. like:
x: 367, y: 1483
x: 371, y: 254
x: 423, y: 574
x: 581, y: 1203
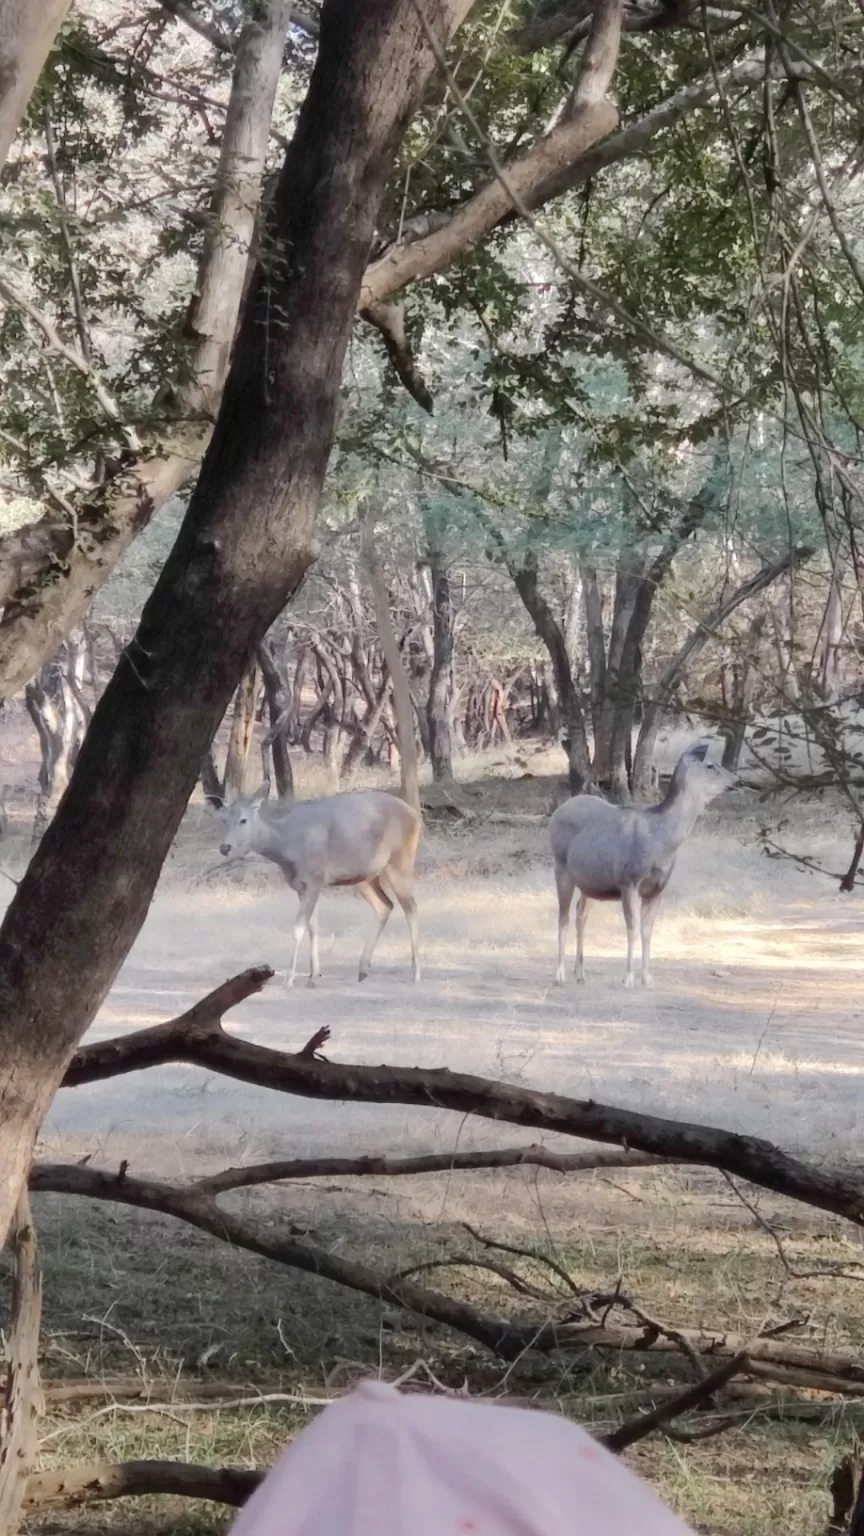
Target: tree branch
x: 52, y: 568
x: 695, y: 1397
x: 566, y: 157
x: 433, y: 1162
x: 120, y: 1480
x: 206, y: 1044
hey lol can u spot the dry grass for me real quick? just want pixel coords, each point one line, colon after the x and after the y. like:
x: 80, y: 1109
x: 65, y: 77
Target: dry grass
x: 138, y: 1295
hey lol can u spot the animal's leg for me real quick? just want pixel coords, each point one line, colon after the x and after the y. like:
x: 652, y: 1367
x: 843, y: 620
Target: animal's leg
x: 581, y: 919
x: 630, y: 902
x: 303, y: 923
x: 566, y: 885
x: 650, y: 904
x: 373, y: 892
x: 314, y: 956
x: 401, y: 882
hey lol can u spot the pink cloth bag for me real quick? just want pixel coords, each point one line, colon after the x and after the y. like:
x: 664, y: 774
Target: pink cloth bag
x: 383, y: 1463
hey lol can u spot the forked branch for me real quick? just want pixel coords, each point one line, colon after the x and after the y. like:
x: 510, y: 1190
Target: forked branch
x: 198, y: 1038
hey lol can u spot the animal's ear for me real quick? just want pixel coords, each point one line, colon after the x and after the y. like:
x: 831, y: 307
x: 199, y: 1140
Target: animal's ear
x: 698, y: 752
x: 216, y: 804
x: 261, y: 794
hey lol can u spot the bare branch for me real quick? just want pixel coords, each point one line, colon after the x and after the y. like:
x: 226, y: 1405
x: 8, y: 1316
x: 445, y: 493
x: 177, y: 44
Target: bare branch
x: 434, y: 1162
x: 208, y: 1045
x: 124, y: 1479
x: 697, y: 1395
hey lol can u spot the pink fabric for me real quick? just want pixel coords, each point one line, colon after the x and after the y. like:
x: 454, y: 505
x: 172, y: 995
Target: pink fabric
x: 383, y: 1463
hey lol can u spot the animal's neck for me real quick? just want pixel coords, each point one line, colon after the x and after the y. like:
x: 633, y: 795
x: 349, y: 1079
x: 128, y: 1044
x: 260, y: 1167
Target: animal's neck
x: 266, y: 841
x: 678, y: 815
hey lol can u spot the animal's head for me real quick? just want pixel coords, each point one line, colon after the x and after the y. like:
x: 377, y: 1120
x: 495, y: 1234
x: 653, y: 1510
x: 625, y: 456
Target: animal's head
x: 239, y: 821
x: 700, y: 778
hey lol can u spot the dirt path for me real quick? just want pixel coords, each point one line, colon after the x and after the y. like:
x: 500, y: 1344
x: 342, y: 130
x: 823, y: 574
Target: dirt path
x: 757, y: 1022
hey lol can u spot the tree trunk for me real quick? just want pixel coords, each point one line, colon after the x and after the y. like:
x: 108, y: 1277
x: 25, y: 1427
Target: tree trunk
x: 244, y: 546
x: 27, y: 31
x: 21, y: 1399
x: 552, y: 635
x: 831, y: 636
x: 745, y: 678
x: 595, y: 636
x: 439, y: 710
x: 278, y: 710
x: 634, y: 598
x: 242, y: 733
x: 403, y: 703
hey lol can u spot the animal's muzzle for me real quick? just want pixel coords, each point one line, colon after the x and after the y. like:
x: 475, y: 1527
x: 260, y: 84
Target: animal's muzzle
x: 225, y: 848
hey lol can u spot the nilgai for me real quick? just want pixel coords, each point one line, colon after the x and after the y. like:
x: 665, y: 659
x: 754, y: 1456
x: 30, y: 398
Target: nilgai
x: 611, y: 853
x: 368, y: 839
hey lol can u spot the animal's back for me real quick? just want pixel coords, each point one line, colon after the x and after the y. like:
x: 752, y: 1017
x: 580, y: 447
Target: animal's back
x: 343, y: 839
x: 604, y: 846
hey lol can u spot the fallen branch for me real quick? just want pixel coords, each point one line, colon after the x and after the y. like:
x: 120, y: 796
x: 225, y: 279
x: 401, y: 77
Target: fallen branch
x: 507, y: 1338
x: 119, y: 1480
x: 694, y: 1397
x: 197, y: 1037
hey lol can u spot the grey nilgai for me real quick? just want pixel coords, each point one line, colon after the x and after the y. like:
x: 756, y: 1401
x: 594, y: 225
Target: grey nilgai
x: 367, y: 840
x: 615, y: 853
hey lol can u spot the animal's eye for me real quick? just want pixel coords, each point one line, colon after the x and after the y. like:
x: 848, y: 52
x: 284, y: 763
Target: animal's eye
x: 242, y: 821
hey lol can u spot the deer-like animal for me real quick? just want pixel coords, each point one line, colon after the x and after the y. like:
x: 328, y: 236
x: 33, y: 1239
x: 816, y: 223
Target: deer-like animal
x: 614, y: 853
x: 367, y: 839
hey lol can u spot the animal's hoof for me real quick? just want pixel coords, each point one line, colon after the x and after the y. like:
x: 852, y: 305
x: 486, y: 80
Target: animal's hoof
x: 416, y: 976
x: 628, y: 983
x: 310, y: 985
x: 560, y: 978
x: 648, y: 983
x: 362, y: 975
x: 579, y: 978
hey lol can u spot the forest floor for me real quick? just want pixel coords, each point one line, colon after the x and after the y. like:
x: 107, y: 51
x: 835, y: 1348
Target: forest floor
x: 756, y: 1024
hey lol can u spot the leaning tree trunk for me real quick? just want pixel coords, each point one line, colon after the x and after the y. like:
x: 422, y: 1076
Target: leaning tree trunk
x: 439, y: 708
x: 244, y: 546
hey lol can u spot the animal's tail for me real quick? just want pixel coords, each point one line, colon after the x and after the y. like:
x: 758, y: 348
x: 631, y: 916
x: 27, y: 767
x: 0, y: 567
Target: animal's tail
x: 401, y: 691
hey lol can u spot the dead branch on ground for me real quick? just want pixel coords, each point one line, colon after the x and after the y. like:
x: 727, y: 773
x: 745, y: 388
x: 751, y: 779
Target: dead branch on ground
x: 576, y: 1329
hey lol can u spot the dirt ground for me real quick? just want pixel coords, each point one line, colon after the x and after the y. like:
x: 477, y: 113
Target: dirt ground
x: 756, y: 1024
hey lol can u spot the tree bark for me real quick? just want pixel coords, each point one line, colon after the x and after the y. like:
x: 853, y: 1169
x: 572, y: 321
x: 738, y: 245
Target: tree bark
x: 403, y: 704
x: 21, y: 1401
x: 277, y: 709
x: 439, y: 710
x: 242, y: 733
x: 552, y: 635
x: 26, y: 34
x: 245, y: 544
x: 52, y: 568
